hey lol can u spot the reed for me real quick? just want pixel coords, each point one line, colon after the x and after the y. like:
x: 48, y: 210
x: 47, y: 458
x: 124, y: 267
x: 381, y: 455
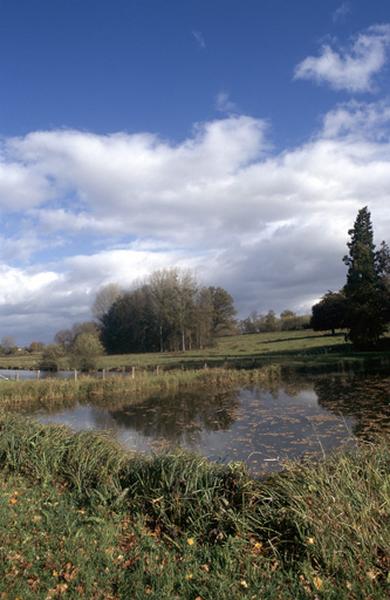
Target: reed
x: 55, y: 393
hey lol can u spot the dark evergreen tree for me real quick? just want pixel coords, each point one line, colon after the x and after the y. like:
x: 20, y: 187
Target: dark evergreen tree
x: 365, y: 300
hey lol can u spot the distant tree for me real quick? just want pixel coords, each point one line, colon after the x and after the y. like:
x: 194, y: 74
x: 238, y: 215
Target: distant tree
x: 174, y: 295
x: 105, y: 298
x: 287, y: 314
x: 364, y: 290
x: 64, y: 338
x: 131, y: 324
x: 8, y: 344
x: 52, y: 357
x: 251, y: 324
x: 329, y: 313
x: 203, y: 318
x: 294, y: 322
x: 36, y: 347
x: 163, y: 287
x: 84, y: 327
x: 224, y: 312
x: 86, y: 350
x: 270, y: 322
x: 169, y: 312
x: 67, y: 337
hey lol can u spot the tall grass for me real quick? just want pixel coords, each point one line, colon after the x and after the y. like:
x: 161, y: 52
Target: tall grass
x: 312, y: 531
x: 54, y: 393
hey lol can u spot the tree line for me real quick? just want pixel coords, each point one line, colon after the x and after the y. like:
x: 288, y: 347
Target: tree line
x: 168, y: 312
x: 287, y: 321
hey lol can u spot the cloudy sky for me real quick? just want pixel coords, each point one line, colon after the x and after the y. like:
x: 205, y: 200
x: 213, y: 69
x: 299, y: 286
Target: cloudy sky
x: 235, y: 137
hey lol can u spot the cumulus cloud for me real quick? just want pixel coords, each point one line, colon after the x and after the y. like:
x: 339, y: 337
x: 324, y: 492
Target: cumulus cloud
x: 271, y: 228
x: 351, y: 69
x: 358, y: 119
x: 341, y: 12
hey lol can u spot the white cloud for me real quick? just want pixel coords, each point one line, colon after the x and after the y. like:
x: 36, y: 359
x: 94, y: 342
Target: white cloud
x: 358, y: 119
x: 341, y: 12
x: 351, y: 69
x: 270, y: 228
x: 224, y: 104
x: 198, y: 36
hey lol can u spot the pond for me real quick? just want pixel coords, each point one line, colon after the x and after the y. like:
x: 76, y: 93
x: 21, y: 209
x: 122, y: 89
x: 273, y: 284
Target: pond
x: 263, y: 427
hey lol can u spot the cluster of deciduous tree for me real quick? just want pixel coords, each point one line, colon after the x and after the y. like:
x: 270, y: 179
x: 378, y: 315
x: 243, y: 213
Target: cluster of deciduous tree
x: 287, y: 321
x: 78, y: 347
x: 362, y: 307
x: 168, y: 312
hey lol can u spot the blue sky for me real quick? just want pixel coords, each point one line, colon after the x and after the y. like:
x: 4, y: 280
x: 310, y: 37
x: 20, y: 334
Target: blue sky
x: 235, y: 137
x: 114, y: 65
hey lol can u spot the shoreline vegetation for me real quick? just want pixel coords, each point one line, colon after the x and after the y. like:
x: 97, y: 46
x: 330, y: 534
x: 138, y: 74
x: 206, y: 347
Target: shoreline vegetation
x: 51, y: 393
x: 177, y: 526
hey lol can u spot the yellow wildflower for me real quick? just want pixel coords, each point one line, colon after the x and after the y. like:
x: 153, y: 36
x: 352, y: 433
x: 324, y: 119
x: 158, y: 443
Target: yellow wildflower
x: 318, y: 583
x: 311, y: 541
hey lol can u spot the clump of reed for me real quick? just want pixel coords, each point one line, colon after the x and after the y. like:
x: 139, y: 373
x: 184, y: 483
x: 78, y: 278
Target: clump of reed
x: 54, y: 393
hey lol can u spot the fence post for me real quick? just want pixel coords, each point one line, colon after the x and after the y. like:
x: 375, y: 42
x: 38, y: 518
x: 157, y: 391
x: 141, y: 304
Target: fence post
x: 132, y: 372
x: 75, y: 374
x: 104, y: 373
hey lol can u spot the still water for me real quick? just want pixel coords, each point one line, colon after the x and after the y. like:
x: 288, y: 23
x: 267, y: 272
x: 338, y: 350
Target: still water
x: 260, y: 426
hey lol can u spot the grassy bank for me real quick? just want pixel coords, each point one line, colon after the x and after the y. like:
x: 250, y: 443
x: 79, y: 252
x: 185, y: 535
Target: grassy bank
x: 53, y: 393
x: 80, y: 517
x: 294, y: 348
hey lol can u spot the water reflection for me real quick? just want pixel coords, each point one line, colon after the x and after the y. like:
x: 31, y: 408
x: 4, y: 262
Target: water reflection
x: 263, y: 427
x: 180, y: 418
x: 366, y: 399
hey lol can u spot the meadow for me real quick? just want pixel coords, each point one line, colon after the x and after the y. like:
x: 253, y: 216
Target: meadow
x: 295, y: 348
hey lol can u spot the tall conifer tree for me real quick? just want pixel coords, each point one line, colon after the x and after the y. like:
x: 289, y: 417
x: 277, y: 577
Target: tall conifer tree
x: 365, y: 316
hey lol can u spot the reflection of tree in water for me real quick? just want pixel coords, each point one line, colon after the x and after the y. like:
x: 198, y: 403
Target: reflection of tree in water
x: 366, y: 398
x: 182, y: 416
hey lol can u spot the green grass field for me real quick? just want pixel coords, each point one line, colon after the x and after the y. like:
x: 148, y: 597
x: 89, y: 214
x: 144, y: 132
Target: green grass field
x: 289, y: 348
